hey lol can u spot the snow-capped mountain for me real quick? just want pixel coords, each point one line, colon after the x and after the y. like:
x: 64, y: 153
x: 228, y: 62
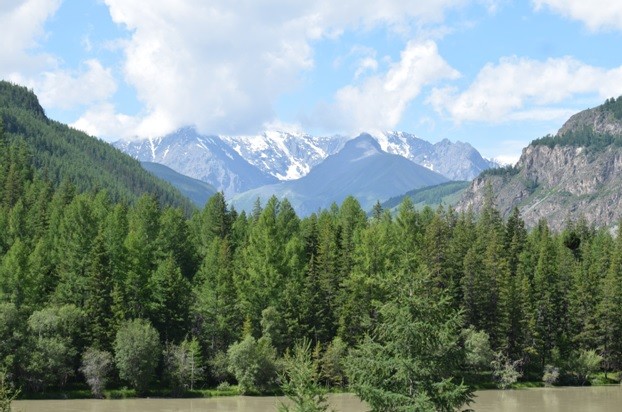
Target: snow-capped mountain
x: 361, y: 169
x: 456, y: 161
x: 206, y: 158
x: 289, y: 156
x: 286, y: 156
x: 235, y: 164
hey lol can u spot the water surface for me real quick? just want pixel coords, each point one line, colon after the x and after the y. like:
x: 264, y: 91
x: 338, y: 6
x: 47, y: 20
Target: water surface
x: 591, y: 399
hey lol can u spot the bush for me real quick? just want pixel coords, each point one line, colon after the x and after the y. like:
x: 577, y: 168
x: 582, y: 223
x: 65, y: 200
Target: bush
x: 7, y: 393
x: 96, y: 366
x: 505, y: 371
x: 219, y: 367
x: 137, y: 347
x: 551, y: 375
x: 253, y: 364
x: 583, y: 364
x: 479, y: 354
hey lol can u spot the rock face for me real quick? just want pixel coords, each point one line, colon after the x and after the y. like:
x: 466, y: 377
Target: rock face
x: 599, y: 119
x: 561, y: 182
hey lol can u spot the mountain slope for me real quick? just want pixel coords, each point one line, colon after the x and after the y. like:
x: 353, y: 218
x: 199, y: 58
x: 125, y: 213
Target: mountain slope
x: 206, y: 158
x: 361, y: 169
x: 196, y: 190
x: 576, y: 173
x: 63, y: 153
x: 448, y: 194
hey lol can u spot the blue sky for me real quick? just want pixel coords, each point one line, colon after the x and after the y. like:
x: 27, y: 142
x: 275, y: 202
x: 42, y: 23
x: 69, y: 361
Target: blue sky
x: 495, y: 73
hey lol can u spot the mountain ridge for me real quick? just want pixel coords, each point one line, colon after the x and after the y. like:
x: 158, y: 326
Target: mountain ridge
x: 275, y: 155
x: 361, y: 169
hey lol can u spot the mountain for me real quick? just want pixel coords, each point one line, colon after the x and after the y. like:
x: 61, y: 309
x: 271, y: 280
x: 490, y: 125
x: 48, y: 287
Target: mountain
x: 286, y: 156
x: 225, y: 161
x: 447, y: 194
x: 574, y: 174
x: 456, y: 161
x: 206, y: 158
x: 196, y: 190
x: 65, y: 154
x: 289, y: 156
x: 361, y: 169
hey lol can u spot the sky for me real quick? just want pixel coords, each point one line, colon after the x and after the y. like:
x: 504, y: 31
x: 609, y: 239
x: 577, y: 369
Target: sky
x: 494, y: 73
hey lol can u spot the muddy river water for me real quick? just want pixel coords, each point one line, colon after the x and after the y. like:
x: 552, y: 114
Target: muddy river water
x: 590, y: 399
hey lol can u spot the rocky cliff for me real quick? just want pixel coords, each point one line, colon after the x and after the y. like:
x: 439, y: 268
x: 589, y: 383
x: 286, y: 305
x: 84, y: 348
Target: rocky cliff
x: 563, y: 177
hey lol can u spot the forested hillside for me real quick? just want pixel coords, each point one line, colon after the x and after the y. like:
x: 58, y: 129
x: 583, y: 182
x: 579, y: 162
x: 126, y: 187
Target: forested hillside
x: 63, y: 154
x: 91, y: 287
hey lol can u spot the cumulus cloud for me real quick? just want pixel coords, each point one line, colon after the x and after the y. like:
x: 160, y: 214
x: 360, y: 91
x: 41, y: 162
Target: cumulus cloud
x: 380, y: 100
x: 103, y: 120
x: 222, y: 64
x: 526, y: 89
x: 67, y: 89
x: 595, y: 14
x: 22, y: 23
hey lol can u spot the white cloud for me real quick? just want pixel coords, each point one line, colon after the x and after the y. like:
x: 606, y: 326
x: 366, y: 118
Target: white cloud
x: 22, y: 26
x: 526, y: 89
x: 102, y: 120
x: 380, y: 101
x: 595, y: 14
x: 222, y: 64
x: 65, y: 90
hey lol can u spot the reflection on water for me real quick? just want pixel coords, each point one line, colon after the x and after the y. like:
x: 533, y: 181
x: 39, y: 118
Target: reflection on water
x: 597, y: 399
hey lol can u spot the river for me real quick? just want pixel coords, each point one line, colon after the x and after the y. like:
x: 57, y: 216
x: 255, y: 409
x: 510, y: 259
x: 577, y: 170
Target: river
x: 590, y: 399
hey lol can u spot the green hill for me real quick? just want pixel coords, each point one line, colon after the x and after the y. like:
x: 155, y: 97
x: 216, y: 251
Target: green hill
x: 196, y: 190
x: 446, y: 193
x: 65, y: 154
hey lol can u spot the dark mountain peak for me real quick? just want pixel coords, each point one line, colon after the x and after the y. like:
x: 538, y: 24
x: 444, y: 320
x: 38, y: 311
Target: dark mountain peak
x: 14, y: 96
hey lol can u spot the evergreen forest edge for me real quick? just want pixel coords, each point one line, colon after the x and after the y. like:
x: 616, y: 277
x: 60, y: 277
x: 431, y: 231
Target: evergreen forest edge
x: 86, y: 274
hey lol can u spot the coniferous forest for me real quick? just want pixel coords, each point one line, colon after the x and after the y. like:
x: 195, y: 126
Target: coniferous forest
x: 107, y: 292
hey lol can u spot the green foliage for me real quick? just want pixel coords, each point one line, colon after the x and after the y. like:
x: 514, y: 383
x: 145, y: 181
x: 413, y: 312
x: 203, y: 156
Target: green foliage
x: 332, y: 363
x: 583, y: 364
x: 479, y: 354
x: 585, y: 137
x: 7, y: 393
x: 412, y: 358
x: 614, y: 106
x: 300, y: 381
x: 253, y: 364
x: 96, y: 368
x: 505, y: 171
x: 137, y: 352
